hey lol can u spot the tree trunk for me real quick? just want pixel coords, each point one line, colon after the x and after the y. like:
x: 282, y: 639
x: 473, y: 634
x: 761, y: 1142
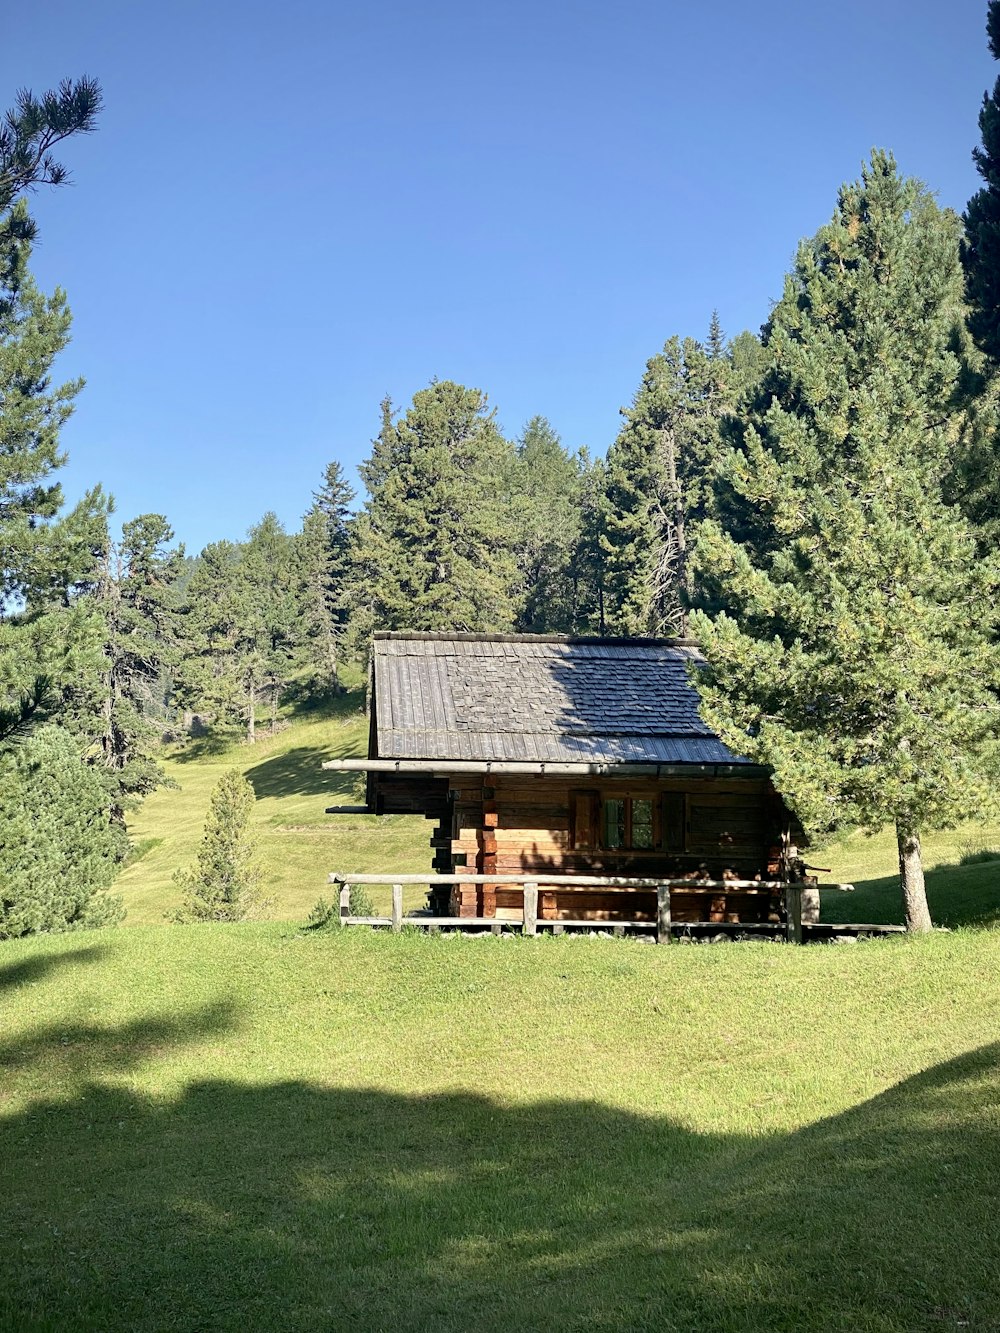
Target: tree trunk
x: 911, y: 878
x: 251, y: 715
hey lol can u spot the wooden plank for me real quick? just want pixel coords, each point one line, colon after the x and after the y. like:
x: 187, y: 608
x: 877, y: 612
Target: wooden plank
x: 608, y: 883
x: 663, y: 914
x: 531, y: 909
x: 397, y: 907
x: 793, y: 911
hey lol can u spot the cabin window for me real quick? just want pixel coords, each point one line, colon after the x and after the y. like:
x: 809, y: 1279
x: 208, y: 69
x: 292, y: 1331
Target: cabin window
x: 628, y: 823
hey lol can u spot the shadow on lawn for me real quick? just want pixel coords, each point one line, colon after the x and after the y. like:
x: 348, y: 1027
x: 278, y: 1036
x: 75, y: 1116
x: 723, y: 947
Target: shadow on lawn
x: 299, y: 772
x: 297, y: 1207
x: 962, y: 895
x: 31, y: 970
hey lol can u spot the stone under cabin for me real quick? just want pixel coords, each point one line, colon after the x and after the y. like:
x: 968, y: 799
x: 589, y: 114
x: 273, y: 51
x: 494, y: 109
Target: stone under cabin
x: 545, y: 755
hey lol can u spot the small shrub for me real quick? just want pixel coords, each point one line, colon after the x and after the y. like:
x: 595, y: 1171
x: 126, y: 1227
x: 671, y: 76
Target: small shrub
x: 327, y: 913
x: 224, y: 883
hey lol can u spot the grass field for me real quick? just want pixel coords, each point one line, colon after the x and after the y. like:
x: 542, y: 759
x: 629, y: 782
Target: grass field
x: 250, y: 1127
x: 299, y: 844
x: 259, y: 1127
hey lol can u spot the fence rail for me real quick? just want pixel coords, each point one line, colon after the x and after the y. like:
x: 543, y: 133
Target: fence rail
x: 663, y: 924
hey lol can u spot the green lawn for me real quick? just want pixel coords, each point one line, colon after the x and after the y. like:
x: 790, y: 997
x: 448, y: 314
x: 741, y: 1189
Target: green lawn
x: 247, y: 1127
x: 959, y: 894
x: 299, y: 844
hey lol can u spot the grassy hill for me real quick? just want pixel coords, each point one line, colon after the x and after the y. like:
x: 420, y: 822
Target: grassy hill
x: 300, y: 844
x: 251, y: 1127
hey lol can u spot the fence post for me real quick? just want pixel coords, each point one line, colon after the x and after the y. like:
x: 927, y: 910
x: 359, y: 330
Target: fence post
x: 530, y: 926
x: 345, y: 902
x: 397, y: 907
x: 663, y: 913
x: 793, y: 913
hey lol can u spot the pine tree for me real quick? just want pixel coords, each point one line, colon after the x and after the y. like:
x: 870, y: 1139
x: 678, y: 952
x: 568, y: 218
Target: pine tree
x: 850, y: 635
x: 433, y: 547
x: 548, y: 529
x: 44, y: 632
x: 323, y: 565
x: 658, y: 480
x: 224, y: 883
x: 240, y: 627
x: 29, y: 132
x: 981, y: 246
x: 138, y: 603
x: 975, y: 481
x: 58, y: 852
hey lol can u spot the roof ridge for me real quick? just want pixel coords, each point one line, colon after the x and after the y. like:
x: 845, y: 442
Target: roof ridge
x: 448, y: 636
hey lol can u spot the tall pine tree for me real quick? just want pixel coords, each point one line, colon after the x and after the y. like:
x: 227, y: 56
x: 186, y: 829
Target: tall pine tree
x: 548, y: 529
x: 851, y: 633
x: 981, y: 245
x: 433, y: 548
x: 658, y: 478
x: 322, y: 552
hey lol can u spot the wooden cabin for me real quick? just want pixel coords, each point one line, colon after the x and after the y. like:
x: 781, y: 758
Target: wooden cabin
x: 543, y: 754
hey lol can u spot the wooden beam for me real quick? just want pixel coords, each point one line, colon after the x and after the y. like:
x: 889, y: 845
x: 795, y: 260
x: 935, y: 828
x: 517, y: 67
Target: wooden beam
x: 345, y: 902
x: 793, y: 913
x: 397, y: 907
x: 663, y: 914
x: 607, y: 882
x: 530, y: 909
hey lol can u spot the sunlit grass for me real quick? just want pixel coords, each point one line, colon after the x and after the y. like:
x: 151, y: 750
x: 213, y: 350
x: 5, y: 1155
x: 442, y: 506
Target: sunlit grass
x: 299, y: 843
x: 248, y: 1127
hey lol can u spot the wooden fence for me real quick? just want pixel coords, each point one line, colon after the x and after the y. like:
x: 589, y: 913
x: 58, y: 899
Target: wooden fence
x: 529, y: 922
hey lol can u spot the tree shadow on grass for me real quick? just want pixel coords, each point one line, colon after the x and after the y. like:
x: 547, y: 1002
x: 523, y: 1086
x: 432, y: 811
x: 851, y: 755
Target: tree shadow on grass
x: 294, y: 1207
x: 31, y: 970
x: 962, y: 895
x: 299, y: 772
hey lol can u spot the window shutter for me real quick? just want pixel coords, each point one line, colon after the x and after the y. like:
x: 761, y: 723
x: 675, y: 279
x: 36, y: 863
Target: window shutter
x: 583, y: 807
x: 673, y: 812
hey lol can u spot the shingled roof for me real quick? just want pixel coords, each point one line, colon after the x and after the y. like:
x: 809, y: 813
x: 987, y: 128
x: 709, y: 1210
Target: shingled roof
x: 538, y: 698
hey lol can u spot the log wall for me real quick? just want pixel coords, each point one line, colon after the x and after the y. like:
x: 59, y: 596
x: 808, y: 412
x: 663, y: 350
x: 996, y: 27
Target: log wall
x: 703, y: 829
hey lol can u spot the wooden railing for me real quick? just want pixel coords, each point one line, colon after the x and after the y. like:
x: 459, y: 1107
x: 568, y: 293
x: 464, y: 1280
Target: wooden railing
x: 663, y: 924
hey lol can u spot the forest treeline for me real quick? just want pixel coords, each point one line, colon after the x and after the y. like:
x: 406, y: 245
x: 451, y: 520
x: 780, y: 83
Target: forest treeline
x: 817, y: 505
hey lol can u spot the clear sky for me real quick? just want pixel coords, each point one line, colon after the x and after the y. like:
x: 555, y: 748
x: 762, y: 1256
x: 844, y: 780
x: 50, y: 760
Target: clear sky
x: 292, y: 209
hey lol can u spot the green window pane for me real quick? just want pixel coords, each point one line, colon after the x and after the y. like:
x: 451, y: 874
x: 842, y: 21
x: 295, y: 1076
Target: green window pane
x: 614, y: 823
x: 642, y: 825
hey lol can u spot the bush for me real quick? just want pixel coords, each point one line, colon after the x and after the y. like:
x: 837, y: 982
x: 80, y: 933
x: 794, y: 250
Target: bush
x: 58, y: 850
x: 326, y: 913
x: 224, y: 883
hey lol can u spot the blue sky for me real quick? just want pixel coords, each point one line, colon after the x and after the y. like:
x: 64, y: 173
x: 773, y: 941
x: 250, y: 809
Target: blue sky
x: 291, y: 210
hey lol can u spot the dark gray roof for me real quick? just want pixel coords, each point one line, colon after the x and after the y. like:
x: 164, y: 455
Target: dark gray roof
x: 539, y: 698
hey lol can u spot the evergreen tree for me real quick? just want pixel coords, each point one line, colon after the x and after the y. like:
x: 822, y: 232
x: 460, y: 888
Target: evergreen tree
x: 224, y: 883
x: 658, y: 481
x: 240, y: 627
x: 975, y: 481
x: 138, y: 603
x: 58, y: 853
x: 44, y: 633
x: 850, y: 635
x: 588, y: 568
x: 433, y: 548
x: 981, y: 246
x: 548, y: 530
x: 323, y: 561
x: 29, y: 132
